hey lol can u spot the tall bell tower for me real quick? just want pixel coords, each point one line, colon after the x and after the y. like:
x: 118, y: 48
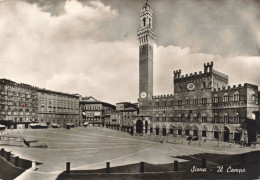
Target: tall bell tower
x: 146, y: 37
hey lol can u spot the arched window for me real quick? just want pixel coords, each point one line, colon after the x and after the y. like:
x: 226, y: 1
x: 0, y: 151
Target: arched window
x: 236, y: 96
x: 187, y: 116
x: 203, y: 84
x: 187, y: 101
x: 215, y: 118
x: 204, y: 118
x: 171, y: 103
x: 195, y: 100
x: 179, y: 117
x: 157, y: 104
x: 157, y: 118
x: 179, y: 102
x: 164, y: 118
x: 237, y: 118
x: 215, y: 98
x: 226, y: 118
x: 226, y: 97
x: 164, y: 103
x: 195, y: 118
x: 204, y: 100
x: 144, y: 21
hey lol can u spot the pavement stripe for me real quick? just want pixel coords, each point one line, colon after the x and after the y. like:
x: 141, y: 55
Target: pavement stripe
x: 189, y: 155
x: 113, y: 159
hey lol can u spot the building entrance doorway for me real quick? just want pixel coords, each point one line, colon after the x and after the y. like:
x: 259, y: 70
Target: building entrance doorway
x: 187, y: 132
x: 139, y: 127
x: 164, y: 132
x: 195, y: 132
x: 179, y: 131
x: 157, y: 131
x: 237, y: 136
x: 216, y: 134
x: 226, y: 134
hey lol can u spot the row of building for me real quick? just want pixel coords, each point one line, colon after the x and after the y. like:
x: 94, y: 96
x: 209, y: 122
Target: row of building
x: 22, y: 104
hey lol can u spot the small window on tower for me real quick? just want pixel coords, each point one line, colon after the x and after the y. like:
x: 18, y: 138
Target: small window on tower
x: 203, y: 85
x: 144, y: 21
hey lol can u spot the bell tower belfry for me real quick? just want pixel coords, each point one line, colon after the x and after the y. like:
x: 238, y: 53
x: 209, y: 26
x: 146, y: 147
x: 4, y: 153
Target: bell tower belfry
x: 146, y: 37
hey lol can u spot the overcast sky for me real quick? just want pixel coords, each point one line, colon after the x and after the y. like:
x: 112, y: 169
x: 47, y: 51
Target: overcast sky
x: 90, y: 47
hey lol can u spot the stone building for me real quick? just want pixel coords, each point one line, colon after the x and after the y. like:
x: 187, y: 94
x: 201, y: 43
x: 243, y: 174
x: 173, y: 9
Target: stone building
x: 95, y: 112
x: 18, y: 104
x: 122, y: 118
x: 203, y: 104
x: 58, y: 108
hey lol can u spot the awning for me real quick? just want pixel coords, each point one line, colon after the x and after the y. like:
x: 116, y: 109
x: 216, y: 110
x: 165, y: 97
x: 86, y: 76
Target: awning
x: 97, y: 113
x: 43, y: 124
x: 34, y: 124
x: 2, y: 126
x: 84, y: 114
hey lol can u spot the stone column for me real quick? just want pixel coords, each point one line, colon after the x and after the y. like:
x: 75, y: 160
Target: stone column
x: 231, y: 136
x: 148, y: 129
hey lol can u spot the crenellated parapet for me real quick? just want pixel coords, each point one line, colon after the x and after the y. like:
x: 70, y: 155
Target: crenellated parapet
x: 177, y: 74
x: 208, y: 67
x: 235, y: 87
x: 163, y: 96
x: 196, y: 75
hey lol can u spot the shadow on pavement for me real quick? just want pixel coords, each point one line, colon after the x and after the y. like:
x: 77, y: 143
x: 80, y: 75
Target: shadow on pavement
x: 218, y: 166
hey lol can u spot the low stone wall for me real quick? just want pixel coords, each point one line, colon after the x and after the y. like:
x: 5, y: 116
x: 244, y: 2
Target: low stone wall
x: 15, y: 160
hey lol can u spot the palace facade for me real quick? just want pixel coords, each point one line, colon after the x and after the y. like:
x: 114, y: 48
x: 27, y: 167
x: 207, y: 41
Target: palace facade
x: 22, y: 104
x: 58, y: 108
x: 18, y: 104
x: 202, y: 104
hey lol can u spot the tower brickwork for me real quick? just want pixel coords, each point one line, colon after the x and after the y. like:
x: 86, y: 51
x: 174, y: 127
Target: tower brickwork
x: 146, y: 37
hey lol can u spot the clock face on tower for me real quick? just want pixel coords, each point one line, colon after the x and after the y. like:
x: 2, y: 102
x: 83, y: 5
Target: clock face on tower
x: 190, y: 86
x: 143, y: 95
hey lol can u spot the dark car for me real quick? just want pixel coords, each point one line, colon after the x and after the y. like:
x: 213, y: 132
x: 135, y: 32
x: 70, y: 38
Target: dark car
x: 195, y: 138
x: 189, y: 138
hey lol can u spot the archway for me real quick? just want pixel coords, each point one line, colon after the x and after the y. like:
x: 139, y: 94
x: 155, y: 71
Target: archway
x: 151, y: 130
x: 226, y: 134
x: 146, y: 127
x: 237, y: 136
x: 171, y: 131
x: 195, y: 130
x: 179, y: 131
x: 204, y: 131
x: 139, y: 126
x: 187, y: 132
x: 157, y: 131
x: 164, y: 131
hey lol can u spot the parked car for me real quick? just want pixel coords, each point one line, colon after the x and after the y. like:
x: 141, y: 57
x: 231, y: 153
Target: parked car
x: 195, y: 138
x: 189, y: 138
